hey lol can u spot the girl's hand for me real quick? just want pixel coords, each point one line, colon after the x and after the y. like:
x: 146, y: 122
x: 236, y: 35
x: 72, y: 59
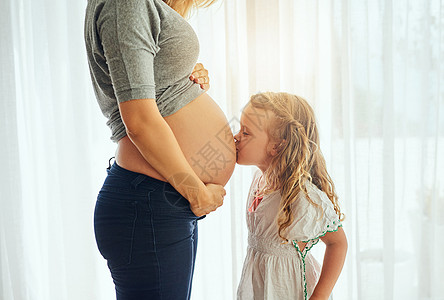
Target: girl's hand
x: 200, y: 76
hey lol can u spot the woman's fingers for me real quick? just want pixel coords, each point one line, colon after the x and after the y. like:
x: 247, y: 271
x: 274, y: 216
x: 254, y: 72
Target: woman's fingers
x: 200, y: 76
x: 202, y: 73
x: 205, y: 87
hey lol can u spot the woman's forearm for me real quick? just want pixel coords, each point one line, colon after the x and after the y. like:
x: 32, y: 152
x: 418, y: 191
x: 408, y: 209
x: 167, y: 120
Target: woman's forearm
x: 155, y: 140
x: 161, y: 150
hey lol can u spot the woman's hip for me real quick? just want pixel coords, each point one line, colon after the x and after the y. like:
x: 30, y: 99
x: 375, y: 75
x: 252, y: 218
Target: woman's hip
x: 135, y: 210
x: 146, y: 231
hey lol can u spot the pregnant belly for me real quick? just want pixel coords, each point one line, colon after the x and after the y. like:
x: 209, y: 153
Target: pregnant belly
x: 203, y: 133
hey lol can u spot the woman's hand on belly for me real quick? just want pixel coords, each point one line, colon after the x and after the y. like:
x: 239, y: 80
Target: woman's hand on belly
x: 208, y: 201
x: 200, y: 76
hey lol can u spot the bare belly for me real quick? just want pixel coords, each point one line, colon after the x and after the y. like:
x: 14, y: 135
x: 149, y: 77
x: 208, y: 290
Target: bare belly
x: 203, y: 133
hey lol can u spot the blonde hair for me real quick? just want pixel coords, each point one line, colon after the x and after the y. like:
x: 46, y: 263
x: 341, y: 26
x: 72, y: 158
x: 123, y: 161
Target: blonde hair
x: 298, y: 158
x: 183, y: 7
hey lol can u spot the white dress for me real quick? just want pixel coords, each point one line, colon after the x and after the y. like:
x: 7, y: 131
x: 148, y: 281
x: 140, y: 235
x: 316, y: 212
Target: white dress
x: 276, y: 271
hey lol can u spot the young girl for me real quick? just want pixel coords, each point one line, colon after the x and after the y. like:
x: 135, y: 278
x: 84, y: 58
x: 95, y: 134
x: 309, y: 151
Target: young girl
x: 291, y: 204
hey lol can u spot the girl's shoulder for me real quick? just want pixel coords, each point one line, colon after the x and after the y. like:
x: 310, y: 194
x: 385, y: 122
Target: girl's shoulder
x: 315, y: 195
x: 256, y: 176
x: 313, y: 215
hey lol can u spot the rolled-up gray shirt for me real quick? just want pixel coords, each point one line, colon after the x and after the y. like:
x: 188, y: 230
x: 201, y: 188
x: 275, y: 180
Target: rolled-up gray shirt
x: 139, y: 49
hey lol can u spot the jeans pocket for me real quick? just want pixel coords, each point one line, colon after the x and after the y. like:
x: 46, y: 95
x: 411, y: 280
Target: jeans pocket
x: 114, y: 225
x: 176, y: 200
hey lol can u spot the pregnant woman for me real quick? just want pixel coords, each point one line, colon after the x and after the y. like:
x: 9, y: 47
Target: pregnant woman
x: 175, y: 149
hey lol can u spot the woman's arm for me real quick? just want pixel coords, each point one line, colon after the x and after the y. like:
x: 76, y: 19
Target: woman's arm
x: 334, y: 257
x: 155, y: 140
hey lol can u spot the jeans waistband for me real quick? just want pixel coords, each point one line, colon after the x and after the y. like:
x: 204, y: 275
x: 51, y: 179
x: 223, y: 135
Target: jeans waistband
x: 138, y: 178
x: 143, y: 181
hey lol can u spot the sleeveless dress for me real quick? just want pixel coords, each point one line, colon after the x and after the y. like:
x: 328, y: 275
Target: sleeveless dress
x: 273, y: 270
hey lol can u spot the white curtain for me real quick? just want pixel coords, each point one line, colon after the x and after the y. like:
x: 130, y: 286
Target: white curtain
x: 372, y: 70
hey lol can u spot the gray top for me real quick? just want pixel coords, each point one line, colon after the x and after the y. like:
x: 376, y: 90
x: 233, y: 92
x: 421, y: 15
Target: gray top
x: 139, y: 49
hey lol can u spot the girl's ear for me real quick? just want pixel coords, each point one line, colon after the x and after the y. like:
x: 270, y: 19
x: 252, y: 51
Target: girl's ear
x: 276, y: 147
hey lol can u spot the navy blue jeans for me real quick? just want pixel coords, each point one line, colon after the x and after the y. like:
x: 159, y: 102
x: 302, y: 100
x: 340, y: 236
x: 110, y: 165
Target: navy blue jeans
x: 147, y: 233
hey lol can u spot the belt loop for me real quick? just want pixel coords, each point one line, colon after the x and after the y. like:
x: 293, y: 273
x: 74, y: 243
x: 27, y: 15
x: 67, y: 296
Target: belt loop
x: 136, y: 181
x: 109, y: 162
